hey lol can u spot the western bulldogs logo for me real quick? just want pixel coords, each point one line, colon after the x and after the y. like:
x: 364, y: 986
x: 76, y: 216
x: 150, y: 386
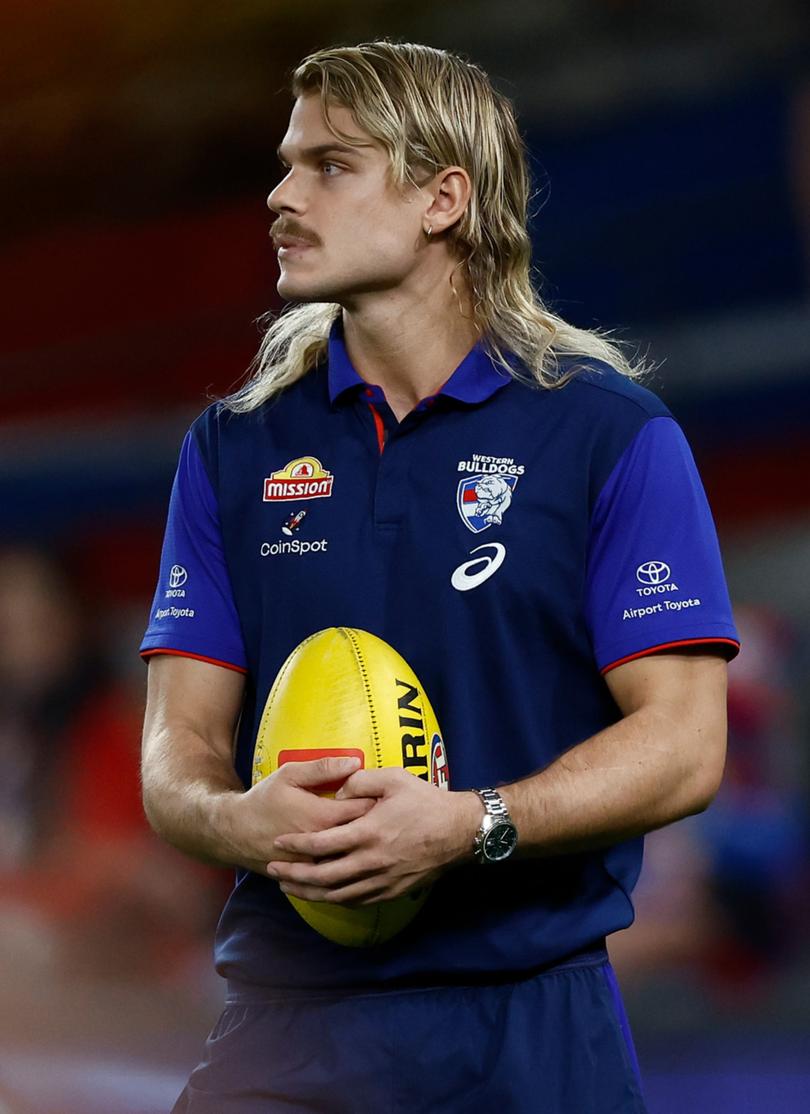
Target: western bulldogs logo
x: 483, y: 500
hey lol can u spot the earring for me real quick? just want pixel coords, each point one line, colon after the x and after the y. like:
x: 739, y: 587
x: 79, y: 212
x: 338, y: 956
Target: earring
x: 429, y: 232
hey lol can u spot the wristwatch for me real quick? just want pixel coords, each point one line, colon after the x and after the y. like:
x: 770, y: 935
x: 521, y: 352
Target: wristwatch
x: 497, y: 837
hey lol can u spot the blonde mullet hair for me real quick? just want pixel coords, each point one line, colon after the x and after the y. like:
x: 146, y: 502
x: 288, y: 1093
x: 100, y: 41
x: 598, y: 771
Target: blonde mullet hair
x: 430, y: 109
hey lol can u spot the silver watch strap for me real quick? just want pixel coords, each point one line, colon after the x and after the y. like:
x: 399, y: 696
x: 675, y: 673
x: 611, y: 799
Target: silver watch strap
x: 494, y: 804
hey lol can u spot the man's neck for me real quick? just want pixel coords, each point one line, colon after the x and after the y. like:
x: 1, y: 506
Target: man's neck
x: 408, y: 347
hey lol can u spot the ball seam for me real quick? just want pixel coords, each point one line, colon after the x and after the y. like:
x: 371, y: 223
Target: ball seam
x: 349, y: 633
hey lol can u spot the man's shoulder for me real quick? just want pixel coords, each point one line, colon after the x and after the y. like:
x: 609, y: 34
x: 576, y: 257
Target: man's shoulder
x: 222, y: 421
x: 594, y: 402
x: 592, y: 418
x: 206, y: 429
x: 599, y: 388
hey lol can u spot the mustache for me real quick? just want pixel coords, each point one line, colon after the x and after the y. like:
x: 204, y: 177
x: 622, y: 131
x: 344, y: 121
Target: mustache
x: 285, y: 226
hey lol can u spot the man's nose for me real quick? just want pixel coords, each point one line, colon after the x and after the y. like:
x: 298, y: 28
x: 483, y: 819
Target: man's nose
x: 286, y: 197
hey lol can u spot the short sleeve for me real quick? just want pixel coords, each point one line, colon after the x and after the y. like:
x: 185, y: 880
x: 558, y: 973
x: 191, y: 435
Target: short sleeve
x: 193, y: 613
x: 655, y: 577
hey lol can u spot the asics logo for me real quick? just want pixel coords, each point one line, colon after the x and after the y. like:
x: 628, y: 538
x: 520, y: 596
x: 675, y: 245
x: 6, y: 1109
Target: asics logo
x: 464, y: 577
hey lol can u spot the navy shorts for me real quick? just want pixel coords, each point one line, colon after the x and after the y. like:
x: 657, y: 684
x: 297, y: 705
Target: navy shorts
x: 555, y: 1043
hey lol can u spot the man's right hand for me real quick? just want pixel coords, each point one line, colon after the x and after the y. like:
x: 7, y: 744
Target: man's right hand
x: 288, y: 801
x: 193, y: 797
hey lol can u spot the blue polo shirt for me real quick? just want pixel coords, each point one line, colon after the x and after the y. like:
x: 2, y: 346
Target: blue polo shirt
x: 513, y: 544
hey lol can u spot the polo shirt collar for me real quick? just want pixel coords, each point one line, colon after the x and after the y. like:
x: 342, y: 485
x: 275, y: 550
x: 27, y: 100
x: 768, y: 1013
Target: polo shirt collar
x: 475, y: 379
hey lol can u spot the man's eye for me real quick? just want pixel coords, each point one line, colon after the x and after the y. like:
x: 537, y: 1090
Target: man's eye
x: 330, y: 169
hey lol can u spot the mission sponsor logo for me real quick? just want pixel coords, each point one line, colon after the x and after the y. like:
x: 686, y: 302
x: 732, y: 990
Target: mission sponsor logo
x: 303, y: 478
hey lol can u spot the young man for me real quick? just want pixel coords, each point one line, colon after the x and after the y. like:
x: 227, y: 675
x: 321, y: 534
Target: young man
x: 574, y: 653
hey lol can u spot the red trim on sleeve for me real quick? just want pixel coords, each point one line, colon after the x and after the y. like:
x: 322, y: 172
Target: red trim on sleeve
x: 197, y: 657
x: 379, y: 425
x: 670, y: 646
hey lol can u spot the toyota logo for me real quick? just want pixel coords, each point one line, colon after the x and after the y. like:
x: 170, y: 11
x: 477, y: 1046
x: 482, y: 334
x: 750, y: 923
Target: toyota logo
x: 177, y: 576
x: 653, y: 572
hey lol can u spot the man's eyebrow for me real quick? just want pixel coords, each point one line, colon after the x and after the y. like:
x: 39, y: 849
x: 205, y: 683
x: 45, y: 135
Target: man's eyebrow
x: 311, y: 153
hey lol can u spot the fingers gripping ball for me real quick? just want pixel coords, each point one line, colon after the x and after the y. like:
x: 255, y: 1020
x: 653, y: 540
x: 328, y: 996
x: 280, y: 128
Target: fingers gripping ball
x: 345, y: 692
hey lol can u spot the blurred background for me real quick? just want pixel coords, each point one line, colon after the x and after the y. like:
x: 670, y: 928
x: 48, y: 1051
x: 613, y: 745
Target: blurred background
x: 671, y: 155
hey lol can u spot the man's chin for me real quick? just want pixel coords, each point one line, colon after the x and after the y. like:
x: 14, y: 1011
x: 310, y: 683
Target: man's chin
x: 298, y: 291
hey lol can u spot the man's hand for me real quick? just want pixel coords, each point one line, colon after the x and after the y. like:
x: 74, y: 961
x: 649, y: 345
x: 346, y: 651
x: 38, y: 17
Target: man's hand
x: 288, y: 801
x: 193, y: 797
x: 412, y: 833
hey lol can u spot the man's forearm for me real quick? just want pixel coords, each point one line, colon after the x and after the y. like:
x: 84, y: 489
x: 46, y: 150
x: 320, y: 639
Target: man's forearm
x: 641, y: 773
x: 186, y: 793
x: 194, y: 799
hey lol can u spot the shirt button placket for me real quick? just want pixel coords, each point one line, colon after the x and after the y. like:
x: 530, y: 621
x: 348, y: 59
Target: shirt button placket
x: 390, y: 492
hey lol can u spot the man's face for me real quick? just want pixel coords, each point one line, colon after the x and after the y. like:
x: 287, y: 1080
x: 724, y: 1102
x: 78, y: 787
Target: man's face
x: 343, y: 228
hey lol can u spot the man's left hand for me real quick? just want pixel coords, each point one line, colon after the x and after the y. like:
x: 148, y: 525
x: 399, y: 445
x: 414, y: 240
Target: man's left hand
x: 411, y: 835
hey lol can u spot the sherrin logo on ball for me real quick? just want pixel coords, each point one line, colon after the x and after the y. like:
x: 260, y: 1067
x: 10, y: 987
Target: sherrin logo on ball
x: 346, y: 693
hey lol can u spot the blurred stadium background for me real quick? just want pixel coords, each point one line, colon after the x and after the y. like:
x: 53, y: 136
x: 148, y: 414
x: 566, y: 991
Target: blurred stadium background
x: 671, y: 148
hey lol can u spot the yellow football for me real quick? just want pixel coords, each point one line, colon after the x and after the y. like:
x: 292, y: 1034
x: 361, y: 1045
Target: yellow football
x: 345, y: 692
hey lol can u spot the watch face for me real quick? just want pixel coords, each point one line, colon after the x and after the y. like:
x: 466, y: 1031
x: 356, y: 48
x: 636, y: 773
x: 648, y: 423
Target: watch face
x: 499, y: 842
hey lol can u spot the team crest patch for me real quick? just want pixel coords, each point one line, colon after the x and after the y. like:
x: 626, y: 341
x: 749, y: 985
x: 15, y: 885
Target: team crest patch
x: 483, y: 500
x: 303, y: 478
